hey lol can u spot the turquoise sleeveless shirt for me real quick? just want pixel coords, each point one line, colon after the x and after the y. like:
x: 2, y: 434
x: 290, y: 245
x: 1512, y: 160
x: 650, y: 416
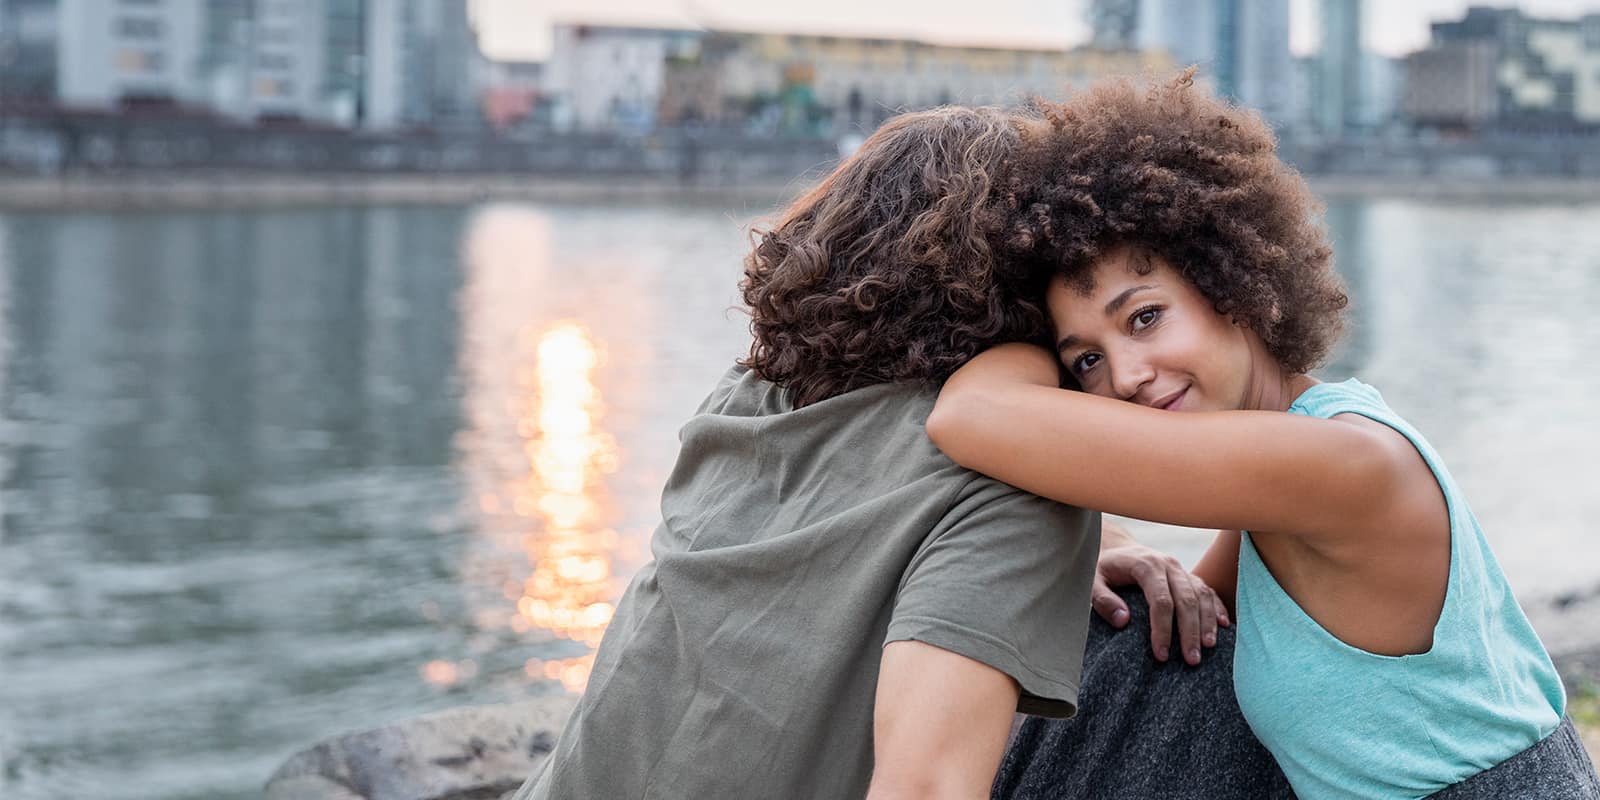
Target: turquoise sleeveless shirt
x: 1344, y: 722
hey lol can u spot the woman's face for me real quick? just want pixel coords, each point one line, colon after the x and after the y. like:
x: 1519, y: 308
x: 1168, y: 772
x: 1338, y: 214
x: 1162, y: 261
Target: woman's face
x: 1153, y: 339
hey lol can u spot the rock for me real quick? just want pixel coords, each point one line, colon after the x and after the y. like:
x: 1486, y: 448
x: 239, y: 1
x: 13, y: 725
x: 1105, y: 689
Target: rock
x: 475, y: 753
x: 1569, y: 626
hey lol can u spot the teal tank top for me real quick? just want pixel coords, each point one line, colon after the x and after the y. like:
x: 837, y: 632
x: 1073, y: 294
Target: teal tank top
x: 1344, y: 722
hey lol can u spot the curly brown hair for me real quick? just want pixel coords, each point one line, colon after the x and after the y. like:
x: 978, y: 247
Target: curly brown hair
x: 883, y: 273
x: 1172, y: 170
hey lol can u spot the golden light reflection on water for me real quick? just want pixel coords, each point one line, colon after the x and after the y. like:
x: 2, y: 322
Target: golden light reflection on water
x: 556, y: 502
x: 544, y: 347
x: 569, y: 590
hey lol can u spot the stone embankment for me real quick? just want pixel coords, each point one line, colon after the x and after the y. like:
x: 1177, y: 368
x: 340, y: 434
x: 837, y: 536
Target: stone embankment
x: 474, y: 753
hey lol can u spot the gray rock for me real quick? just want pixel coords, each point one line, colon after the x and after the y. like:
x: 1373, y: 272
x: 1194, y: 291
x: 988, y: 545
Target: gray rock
x: 476, y: 753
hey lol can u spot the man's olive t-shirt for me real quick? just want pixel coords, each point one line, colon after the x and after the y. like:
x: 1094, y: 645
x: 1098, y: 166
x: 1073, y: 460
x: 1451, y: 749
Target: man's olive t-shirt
x: 794, y: 544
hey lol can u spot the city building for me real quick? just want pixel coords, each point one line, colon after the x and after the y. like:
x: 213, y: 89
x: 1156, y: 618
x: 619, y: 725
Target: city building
x: 419, y: 65
x: 1383, y: 84
x: 138, y: 53
x: 374, y: 64
x: 27, y: 51
x: 1187, y: 30
x: 1240, y: 46
x: 603, y: 77
x: 835, y: 84
x: 1500, y: 68
x: 269, y: 60
x: 1263, y: 75
x: 1337, y: 92
x: 512, y: 91
x: 1114, y: 24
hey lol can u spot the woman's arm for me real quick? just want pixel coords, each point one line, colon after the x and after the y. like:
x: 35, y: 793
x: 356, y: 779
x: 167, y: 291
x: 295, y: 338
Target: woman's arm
x: 1003, y: 415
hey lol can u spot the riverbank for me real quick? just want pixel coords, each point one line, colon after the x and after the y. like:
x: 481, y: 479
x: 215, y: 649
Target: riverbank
x: 201, y: 189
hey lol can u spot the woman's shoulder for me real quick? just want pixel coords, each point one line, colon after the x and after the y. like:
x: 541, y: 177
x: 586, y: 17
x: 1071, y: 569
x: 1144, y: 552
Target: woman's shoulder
x: 1330, y: 398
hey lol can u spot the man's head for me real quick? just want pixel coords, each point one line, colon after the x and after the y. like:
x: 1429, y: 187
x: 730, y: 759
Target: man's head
x: 883, y: 272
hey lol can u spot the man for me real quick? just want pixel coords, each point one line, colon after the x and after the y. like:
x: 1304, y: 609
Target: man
x: 834, y: 608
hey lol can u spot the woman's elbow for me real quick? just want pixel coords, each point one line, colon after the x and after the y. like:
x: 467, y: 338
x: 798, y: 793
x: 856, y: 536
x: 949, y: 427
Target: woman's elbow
x: 951, y: 424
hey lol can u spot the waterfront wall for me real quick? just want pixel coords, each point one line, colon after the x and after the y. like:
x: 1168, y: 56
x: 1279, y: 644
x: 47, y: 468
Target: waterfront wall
x: 109, y: 144
x: 67, y: 144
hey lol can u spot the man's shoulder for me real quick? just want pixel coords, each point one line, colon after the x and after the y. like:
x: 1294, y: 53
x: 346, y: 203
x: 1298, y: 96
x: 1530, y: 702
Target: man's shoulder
x: 743, y: 392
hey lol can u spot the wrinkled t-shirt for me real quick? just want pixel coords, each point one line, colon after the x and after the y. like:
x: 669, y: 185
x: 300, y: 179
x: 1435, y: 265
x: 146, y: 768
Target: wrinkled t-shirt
x: 794, y: 544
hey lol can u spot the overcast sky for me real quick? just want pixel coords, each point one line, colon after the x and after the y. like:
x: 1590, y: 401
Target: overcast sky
x: 518, y: 29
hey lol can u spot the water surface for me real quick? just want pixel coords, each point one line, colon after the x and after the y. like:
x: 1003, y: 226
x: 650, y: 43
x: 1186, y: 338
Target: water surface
x: 266, y: 476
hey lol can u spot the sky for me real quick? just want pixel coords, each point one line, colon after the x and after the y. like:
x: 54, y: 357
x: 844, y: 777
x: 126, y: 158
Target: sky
x: 518, y: 29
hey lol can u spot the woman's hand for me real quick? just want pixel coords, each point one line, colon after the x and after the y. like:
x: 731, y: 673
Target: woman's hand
x: 1173, y: 592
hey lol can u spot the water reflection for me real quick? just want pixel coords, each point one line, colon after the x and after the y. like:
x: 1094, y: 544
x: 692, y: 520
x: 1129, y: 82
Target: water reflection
x: 226, y: 440
x: 570, y: 588
x: 550, y: 501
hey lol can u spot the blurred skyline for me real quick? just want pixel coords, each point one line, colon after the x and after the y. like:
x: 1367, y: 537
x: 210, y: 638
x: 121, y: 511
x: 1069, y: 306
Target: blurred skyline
x: 520, y: 29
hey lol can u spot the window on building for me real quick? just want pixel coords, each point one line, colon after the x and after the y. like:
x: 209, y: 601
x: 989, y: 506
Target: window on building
x: 139, y: 28
x: 273, y: 87
x: 276, y: 61
x: 140, y: 61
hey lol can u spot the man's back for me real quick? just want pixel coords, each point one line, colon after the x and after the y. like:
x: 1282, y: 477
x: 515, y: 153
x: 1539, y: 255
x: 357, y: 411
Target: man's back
x: 794, y: 544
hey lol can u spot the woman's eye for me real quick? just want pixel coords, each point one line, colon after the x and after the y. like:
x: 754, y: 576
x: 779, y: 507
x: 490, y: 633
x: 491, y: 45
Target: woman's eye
x: 1145, y: 318
x: 1084, y: 362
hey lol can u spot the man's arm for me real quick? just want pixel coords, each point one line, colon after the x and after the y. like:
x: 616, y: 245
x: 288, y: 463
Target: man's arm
x: 940, y: 723
x: 1173, y: 592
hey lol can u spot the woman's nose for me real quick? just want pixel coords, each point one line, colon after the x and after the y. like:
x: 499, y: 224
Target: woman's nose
x: 1129, y: 375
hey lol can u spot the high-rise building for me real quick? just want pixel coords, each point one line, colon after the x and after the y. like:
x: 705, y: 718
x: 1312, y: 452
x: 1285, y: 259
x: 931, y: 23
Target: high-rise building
x: 141, y: 52
x: 1114, y: 23
x: 1264, y: 68
x: 419, y: 62
x: 344, y: 62
x: 1240, y: 46
x: 376, y: 64
x: 27, y: 51
x: 1187, y: 30
x: 1338, y: 101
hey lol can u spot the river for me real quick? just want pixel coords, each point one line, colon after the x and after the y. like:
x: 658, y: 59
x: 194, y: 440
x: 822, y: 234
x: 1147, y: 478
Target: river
x: 270, y: 475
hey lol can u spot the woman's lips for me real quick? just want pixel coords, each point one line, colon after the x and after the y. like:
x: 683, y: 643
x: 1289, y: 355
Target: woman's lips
x: 1170, y: 402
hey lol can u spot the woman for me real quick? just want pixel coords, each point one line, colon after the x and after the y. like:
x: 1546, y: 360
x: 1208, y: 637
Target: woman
x: 1380, y: 653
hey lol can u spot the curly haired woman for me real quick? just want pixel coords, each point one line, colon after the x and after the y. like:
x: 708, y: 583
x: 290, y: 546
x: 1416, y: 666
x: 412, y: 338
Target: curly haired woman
x: 1378, y: 651
x: 819, y: 617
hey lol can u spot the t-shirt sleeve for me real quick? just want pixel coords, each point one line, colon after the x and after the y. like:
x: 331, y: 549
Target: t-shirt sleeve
x: 1005, y: 580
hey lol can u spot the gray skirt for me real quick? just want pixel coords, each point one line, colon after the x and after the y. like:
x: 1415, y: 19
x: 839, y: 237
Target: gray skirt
x: 1152, y: 731
x: 1557, y: 768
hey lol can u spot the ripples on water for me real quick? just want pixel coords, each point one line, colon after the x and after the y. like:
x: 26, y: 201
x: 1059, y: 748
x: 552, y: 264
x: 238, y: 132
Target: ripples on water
x: 269, y: 476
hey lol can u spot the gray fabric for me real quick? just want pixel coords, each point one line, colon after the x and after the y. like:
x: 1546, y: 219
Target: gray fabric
x: 1147, y: 731
x: 1557, y: 768
x: 743, y: 660
x: 1150, y: 731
